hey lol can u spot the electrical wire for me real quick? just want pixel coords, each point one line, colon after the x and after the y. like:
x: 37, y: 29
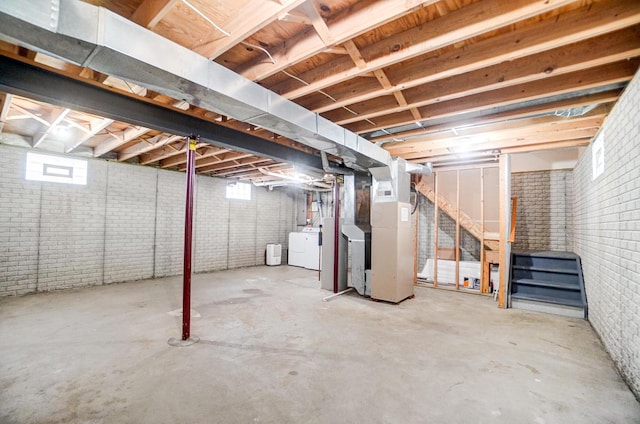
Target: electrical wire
x: 260, y: 48
x: 206, y: 18
x: 333, y: 99
x: 295, y: 78
x: 216, y: 26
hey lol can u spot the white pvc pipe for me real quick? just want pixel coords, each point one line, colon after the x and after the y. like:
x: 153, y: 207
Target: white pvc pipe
x: 328, y: 298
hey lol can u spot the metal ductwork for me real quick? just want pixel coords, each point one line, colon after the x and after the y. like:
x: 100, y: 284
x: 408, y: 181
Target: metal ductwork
x: 416, y: 168
x: 283, y: 179
x: 97, y: 38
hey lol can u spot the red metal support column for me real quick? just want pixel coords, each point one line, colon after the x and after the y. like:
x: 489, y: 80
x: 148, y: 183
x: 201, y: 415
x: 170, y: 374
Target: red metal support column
x: 188, y: 232
x: 336, y: 233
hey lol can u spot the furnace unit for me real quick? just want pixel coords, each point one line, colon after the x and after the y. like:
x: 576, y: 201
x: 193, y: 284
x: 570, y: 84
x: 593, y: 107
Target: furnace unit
x: 391, y: 251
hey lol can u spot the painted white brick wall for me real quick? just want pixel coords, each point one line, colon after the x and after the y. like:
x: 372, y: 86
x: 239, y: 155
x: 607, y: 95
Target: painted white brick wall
x: 126, y: 224
x: 544, y: 212
x: 72, y: 230
x: 269, y: 221
x: 170, y: 224
x: 288, y: 213
x: 130, y: 223
x: 211, y: 225
x: 607, y: 235
x: 19, y: 224
x: 243, y: 216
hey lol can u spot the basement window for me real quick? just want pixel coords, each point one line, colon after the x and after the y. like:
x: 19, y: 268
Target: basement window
x: 240, y: 191
x: 56, y: 169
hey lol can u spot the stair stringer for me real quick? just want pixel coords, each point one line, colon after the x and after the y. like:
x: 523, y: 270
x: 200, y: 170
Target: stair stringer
x: 447, y: 207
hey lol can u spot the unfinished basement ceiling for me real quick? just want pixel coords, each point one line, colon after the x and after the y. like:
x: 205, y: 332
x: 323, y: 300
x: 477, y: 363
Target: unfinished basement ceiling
x: 447, y: 82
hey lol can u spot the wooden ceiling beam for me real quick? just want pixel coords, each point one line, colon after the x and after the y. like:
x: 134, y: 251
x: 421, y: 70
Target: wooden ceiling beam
x: 229, y: 165
x: 164, y: 152
x: 470, y: 21
x: 517, y: 127
x: 5, y: 105
x: 354, y: 53
x: 528, y: 69
x: 167, y: 151
x: 458, y: 78
x: 382, y: 78
x: 223, y: 158
x: 249, y: 20
x: 294, y: 17
x: 461, y: 158
x: 528, y: 140
x: 82, y: 124
x: 605, y: 99
x: 548, y: 146
x: 57, y: 117
x: 95, y: 126
x: 150, y: 12
x: 29, y: 113
x: 358, y: 20
x: 318, y: 23
x: 204, y: 151
x: 509, y: 130
x: 117, y: 140
x: 147, y: 146
x: 249, y: 174
x: 564, y: 84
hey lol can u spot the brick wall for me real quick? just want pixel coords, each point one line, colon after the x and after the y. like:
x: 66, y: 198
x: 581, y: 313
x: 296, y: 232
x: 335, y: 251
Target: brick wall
x: 607, y: 235
x: 212, y: 222
x: 544, y: 212
x: 130, y: 222
x: 275, y: 218
x: 127, y: 223
x: 169, y: 238
x: 72, y: 232
x: 19, y: 225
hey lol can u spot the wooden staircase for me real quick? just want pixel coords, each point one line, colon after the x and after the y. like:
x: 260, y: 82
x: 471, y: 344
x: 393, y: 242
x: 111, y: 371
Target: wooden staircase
x: 548, y: 282
x: 474, y: 228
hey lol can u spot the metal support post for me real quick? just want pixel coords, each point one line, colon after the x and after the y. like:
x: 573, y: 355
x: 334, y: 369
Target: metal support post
x: 188, y: 243
x: 336, y: 233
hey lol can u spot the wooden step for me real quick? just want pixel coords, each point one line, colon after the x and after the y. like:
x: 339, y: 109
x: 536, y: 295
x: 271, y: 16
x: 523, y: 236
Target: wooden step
x: 548, y: 299
x: 550, y: 254
x: 544, y: 269
x: 549, y: 308
x: 550, y: 284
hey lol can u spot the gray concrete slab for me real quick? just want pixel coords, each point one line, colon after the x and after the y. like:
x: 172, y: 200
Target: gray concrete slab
x: 272, y: 352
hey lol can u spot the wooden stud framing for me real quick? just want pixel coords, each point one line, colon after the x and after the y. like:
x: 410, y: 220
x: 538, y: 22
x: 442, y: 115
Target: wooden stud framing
x: 514, y: 207
x: 505, y: 186
x: 435, y: 232
x: 484, y: 284
x: 416, y: 229
x: 457, y: 244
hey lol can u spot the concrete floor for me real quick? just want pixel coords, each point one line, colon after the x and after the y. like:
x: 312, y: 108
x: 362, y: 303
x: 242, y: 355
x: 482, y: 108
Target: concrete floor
x: 272, y: 352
